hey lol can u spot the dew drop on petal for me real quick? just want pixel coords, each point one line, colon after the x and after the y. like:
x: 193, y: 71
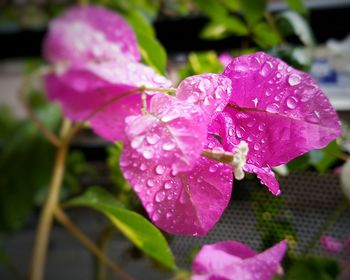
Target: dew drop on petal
x: 147, y: 154
x: 150, y: 207
x: 291, y: 102
x: 168, y: 185
x: 160, y: 169
x: 152, y: 139
x: 261, y: 127
x: 213, y: 168
x: 294, y: 79
x: 138, y: 187
x: 136, y: 142
x: 168, y: 146
x: 150, y: 183
x: 272, y: 108
x: 155, y: 216
x: 256, y: 147
x: 160, y: 196
x: 143, y: 167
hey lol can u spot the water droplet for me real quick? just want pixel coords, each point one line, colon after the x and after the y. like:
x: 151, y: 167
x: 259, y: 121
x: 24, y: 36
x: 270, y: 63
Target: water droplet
x: 150, y: 207
x: 168, y: 185
x: 155, y: 216
x: 143, y: 167
x: 255, y: 101
x: 256, y: 147
x: 238, y: 133
x: 261, y: 127
x: 213, y: 168
x: 150, y: 183
x: 168, y: 146
x: 127, y: 174
x: 268, y: 93
x: 280, y: 66
x: 266, y: 69
x: 160, y: 196
x: 168, y: 215
x: 263, y: 140
x: 147, y: 154
x: 292, y: 102
x: 138, y: 187
x: 183, y: 198
x: 171, y: 116
x: 230, y: 131
x: 294, y: 79
x: 152, y: 139
x: 272, y: 108
x: 313, y: 118
x: 124, y: 162
x: 137, y: 141
x: 160, y: 169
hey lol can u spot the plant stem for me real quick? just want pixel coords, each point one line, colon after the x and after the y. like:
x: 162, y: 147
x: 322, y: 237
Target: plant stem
x: 25, y: 87
x: 74, y: 230
x: 332, y: 218
x: 46, y: 217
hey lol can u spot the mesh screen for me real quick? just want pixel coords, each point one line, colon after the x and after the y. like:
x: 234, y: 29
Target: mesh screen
x: 309, y: 199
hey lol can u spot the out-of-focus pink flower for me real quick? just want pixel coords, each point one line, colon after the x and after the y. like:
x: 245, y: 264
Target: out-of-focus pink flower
x: 102, y: 55
x: 225, y: 58
x: 347, y: 243
x: 330, y: 244
x: 89, y: 33
x: 279, y: 111
x: 231, y: 260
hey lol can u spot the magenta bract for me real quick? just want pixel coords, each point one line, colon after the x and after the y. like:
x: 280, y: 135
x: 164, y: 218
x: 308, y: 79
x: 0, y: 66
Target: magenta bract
x: 231, y: 260
x: 83, y: 89
x: 187, y: 203
x: 89, y: 33
x: 209, y: 91
x: 279, y: 111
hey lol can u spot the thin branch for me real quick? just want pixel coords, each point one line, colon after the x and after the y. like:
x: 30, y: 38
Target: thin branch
x: 46, y: 217
x: 61, y: 217
x: 23, y: 90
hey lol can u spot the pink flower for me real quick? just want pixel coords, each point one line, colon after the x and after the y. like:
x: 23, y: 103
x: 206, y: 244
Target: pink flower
x: 330, y: 244
x: 231, y: 260
x: 279, y: 111
x: 182, y: 191
x: 225, y: 58
x: 102, y: 52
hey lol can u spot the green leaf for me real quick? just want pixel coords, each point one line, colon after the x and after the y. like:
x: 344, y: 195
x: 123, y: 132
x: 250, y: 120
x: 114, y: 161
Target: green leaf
x: 265, y: 36
x: 253, y: 11
x: 311, y: 268
x: 134, y: 226
x: 139, y: 23
x: 292, y: 23
x: 212, y: 8
x: 152, y: 52
x: 224, y: 27
x: 322, y: 160
x: 298, y: 6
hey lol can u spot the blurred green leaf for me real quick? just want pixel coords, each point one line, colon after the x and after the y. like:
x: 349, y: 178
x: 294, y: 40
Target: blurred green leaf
x: 224, y: 27
x: 253, y: 11
x: 265, y: 36
x: 232, y: 5
x: 25, y: 162
x: 322, y: 160
x: 292, y: 23
x: 312, y: 268
x: 135, y: 227
x: 298, y: 6
x: 152, y: 52
x: 212, y: 8
x: 139, y: 23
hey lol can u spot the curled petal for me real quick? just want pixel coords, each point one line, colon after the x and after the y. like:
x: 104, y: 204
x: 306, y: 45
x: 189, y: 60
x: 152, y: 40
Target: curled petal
x: 85, y: 33
x: 266, y: 176
x: 331, y: 244
x: 189, y: 203
x: 173, y: 131
x: 209, y: 91
x: 230, y: 260
x: 281, y: 112
x: 83, y: 89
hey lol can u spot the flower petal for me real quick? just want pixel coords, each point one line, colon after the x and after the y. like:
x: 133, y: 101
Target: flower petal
x: 189, y: 203
x: 174, y: 132
x: 234, y: 260
x: 209, y: 91
x: 82, y: 89
x: 266, y: 176
x: 85, y: 33
x: 278, y: 110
